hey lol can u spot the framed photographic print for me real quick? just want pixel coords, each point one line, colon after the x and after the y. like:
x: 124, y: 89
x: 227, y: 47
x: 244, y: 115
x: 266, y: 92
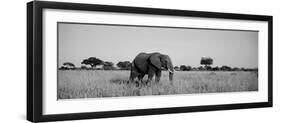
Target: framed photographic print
x: 87, y: 61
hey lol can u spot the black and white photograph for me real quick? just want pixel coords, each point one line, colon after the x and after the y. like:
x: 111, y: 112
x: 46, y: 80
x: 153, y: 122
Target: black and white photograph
x: 97, y: 60
x: 91, y: 60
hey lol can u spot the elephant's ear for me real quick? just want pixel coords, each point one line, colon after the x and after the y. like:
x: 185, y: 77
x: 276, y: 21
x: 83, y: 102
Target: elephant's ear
x: 155, y: 60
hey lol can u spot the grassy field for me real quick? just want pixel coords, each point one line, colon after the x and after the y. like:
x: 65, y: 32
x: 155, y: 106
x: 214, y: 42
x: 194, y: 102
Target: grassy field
x: 92, y: 84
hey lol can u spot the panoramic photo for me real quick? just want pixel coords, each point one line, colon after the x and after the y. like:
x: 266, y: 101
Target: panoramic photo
x: 107, y: 60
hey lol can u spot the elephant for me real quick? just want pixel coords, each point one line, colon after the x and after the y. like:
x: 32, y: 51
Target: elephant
x: 151, y: 64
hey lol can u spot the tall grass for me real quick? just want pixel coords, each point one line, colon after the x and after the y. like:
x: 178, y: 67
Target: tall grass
x: 92, y: 84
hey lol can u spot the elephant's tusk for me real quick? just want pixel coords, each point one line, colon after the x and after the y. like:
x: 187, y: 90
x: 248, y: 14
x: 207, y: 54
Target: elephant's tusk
x: 170, y: 71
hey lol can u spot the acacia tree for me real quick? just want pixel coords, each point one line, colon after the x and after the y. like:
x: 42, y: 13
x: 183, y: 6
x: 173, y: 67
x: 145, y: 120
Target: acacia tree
x: 176, y: 68
x: 185, y: 68
x: 108, y: 65
x: 215, y: 68
x: 92, y: 61
x: 125, y: 65
x: 67, y: 65
x: 225, y: 68
x: 207, y: 61
x: 182, y: 67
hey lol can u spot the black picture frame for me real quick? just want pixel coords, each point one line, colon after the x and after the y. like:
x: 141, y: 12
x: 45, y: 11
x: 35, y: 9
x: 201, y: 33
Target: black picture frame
x: 35, y: 69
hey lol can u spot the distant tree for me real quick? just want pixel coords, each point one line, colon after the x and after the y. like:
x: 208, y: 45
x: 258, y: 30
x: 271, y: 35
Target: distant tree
x: 208, y: 68
x: 83, y: 67
x: 185, y: 68
x: 225, y: 68
x: 108, y: 65
x: 67, y: 65
x: 236, y: 69
x: 63, y: 68
x: 250, y: 69
x: 255, y: 69
x: 124, y: 65
x: 201, y: 68
x: 92, y: 61
x: 176, y: 68
x: 188, y: 68
x: 194, y: 68
x: 215, y: 68
x: 182, y: 67
x: 207, y: 61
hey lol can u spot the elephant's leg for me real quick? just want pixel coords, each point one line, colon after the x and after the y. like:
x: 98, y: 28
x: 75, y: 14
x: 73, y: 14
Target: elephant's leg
x: 150, y: 75
x: 157, y: 76
x: 140, y: 77
x: 133, y: 75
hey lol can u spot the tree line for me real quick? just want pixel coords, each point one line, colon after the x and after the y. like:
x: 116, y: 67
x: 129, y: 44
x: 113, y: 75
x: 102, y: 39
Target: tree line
x: 98, y: 64
x: 206, y: 63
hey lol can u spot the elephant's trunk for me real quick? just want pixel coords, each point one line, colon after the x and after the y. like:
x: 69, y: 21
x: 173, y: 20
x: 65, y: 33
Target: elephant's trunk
x: 171, y: 76
x: 171, y: 73
x: 170, y: 68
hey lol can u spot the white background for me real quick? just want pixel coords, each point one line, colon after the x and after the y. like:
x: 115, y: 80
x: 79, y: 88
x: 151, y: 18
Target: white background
x: 13, y: 61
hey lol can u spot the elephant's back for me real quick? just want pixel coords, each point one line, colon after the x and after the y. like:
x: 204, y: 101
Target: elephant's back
x: 141, y: 57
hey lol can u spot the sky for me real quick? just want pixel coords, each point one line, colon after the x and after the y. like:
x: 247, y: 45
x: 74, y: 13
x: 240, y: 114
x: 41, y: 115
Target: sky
x: 185, y: 46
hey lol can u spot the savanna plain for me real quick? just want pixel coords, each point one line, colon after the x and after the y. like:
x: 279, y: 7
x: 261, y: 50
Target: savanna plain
x: 74, y: 84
